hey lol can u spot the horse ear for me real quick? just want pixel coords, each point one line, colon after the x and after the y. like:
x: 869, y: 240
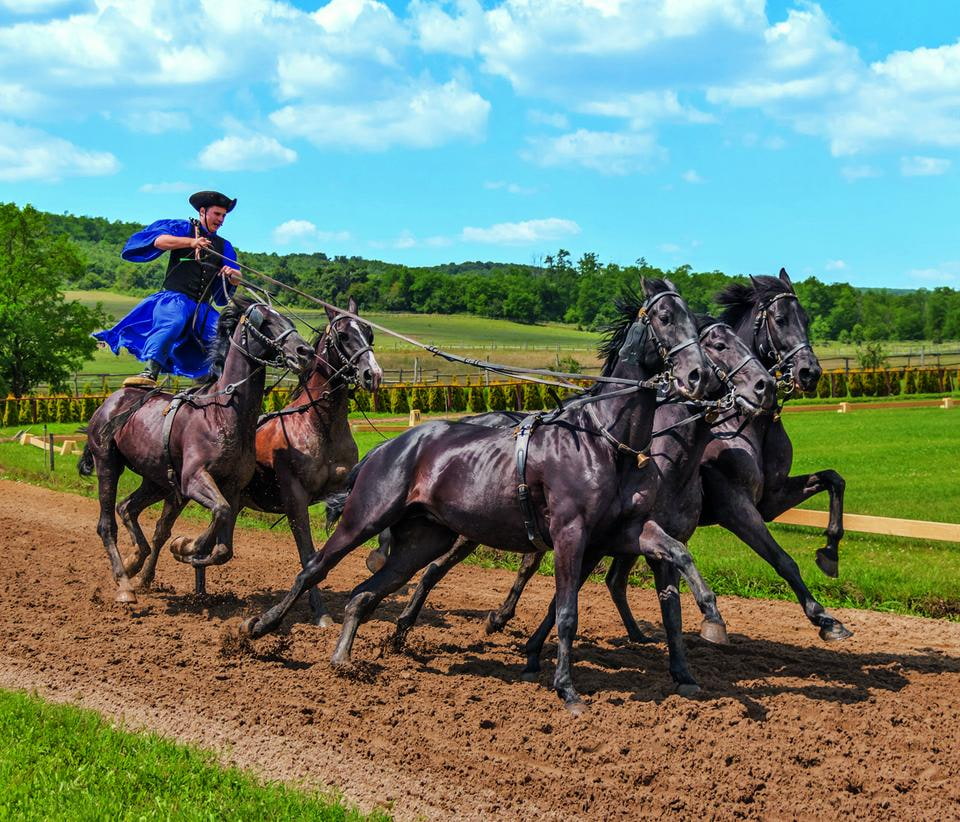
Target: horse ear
x: 756, y: 283
x: 645, y: 285
x: 670, y: 285
x: 352, y: 306
x: 785, y: 278
x: 330, y: 312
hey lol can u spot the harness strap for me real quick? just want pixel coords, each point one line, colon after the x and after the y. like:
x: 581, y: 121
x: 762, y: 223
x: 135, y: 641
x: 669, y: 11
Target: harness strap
x: 168, y: 414
x: 524, y: 430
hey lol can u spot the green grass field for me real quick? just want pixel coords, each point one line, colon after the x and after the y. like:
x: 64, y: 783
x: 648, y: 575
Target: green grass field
x: 60, y: 762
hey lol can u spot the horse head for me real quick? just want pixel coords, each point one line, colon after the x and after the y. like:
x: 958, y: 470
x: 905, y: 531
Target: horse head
x: 735, y: 370
x: 768, y: 314
x: 347, y: 346
x: 664, y: 337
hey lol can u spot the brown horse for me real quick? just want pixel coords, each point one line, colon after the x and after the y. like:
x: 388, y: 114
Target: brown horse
x: 196, y: 445
x: 584, y: 483
x: 306, y: 450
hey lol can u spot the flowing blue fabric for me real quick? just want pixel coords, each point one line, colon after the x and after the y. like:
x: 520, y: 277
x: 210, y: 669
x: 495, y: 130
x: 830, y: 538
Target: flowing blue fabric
x: 168, y: 326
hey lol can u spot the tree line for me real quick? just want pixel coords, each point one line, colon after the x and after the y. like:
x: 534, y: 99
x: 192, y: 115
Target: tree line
x: 561, y: 289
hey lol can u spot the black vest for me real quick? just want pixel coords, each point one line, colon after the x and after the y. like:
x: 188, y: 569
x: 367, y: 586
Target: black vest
x: 186, y: 275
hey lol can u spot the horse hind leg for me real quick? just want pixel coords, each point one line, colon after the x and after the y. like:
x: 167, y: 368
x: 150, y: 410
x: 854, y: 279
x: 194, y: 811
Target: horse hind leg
x: 171, y: 510
x: 497, y: 620
x: 109, y: 469
x: 129, y: 511
x: 617, y: 580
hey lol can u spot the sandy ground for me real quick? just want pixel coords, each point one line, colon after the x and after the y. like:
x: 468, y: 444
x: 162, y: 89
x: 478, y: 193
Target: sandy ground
x: 786, y: 726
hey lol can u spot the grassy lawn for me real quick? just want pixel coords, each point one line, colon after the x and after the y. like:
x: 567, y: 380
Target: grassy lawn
x: 897, y: 462
x: 60, y: 762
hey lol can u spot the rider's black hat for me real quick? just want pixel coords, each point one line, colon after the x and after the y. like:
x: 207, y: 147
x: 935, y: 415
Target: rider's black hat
x: 208, y: 199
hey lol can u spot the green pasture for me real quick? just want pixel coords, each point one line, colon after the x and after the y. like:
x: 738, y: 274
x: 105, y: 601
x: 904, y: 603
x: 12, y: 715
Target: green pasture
x: 897, y: 463
x: 60, y: 762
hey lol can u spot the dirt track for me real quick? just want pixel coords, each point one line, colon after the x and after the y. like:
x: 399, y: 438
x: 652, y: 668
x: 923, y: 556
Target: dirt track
x: 786, y: 726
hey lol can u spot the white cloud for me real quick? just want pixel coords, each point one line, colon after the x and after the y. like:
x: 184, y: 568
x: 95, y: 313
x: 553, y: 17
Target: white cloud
x: 18, y: 100
x: 670, y: 248
x: 29, y: 154
x: 305, y: 232
x: 835, y: 265
x: 647, y: 108
x: 254, y: 153
x: 510, y: 188
x: 423, y: 115
x: 156, y: 122
x: 691, y: 176
x: 604, y: 151
x: 923, y: 166
x: 944, y: 273
x: 168, y: 188
x: 526, y: 232
x: 553, y: 119
x: 438, y: 31
x: 860, y: 172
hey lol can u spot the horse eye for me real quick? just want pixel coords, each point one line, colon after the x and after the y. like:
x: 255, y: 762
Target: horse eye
x: 781, y: 321
x: 721, y: 346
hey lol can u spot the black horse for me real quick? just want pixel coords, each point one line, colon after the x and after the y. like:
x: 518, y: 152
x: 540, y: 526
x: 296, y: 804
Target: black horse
x: 676, y: 454
x: 197, y: 445
x: 586, y: 485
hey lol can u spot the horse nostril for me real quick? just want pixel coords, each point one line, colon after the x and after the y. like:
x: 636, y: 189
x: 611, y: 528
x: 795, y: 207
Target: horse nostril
x: 305, y: 352
x: 761, y: 388
x: 694, y: 378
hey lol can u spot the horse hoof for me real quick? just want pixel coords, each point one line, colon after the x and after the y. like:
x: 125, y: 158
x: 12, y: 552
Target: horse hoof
x: 182, y: 548
x: 530, y: 675
x: 491, y: 625
x: 246, y: 627
x: 829, y: 566
x: 125, y: 595
x: 639, y: 637
x: 687, y: 689
x: 834, y: 632
x: 324, y: 621
x: 375, y: 561
x: 715, y: 632
x: 577, y: 707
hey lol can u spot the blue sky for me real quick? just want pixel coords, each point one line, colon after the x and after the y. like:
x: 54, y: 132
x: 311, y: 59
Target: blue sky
x: 727, y: 134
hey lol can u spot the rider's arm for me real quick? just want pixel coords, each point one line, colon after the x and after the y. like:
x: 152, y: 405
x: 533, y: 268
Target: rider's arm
x: 167, y: 242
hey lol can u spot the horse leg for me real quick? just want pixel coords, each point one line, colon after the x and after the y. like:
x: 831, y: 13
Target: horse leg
x: 569, y: 545
x: 171, y: 510
x: 296, y: 506
x: 617, y: 581
x: 108, y: 475
x: 496, y: 620
x: 794, y: 490
x: 436, y: 571
x: 202, y: 488
x: 129, y: 510
x: 668, y: 592
x: 409, y: 553
x: 377, y: 558
x: 656, y: 543
x: 744, y: 520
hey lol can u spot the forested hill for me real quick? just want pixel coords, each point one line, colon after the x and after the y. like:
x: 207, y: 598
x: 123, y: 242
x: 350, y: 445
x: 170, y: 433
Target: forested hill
x: 563, y: 289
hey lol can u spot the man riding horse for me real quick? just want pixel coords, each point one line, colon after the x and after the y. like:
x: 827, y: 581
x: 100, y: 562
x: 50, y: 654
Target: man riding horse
x: 170, y: 330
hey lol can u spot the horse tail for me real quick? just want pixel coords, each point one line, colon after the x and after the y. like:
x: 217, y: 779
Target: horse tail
x: 85, y: 463
x: 335, y: 505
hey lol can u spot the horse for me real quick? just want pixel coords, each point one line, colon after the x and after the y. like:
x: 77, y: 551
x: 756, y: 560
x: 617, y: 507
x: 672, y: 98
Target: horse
x: 196, y: 445
x: 675, y: 449
x: 582, y: 484
x: 746, y: 473
x: 306, y: 450
x: 745, y: 467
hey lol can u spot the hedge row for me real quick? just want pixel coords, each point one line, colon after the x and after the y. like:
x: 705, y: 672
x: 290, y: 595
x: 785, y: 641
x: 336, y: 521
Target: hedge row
x: 505, y: 397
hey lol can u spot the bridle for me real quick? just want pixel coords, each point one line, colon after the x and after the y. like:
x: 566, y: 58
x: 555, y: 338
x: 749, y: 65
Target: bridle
x: 782, y: 367
x: 726, y: 377
x: 333, y: 341
x: 250, y: 323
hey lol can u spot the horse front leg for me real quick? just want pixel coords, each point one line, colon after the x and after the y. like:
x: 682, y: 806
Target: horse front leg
x: 569, y: 542
x: 780, y: 497
x: 171, y: 511
x: 129, y: 511
x: 741, y: 518
x: 617, y: 581
x: 497, y: 620
x: 202, y: 551
x: 667, y: 580
x: 658, y: 544
x: 296, y: 505
x: 436, y: 571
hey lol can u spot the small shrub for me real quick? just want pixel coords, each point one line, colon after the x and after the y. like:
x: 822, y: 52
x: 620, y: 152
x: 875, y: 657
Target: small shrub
x: 532, y: 398
x: 839, y: 385
x: 498, y: 400
x: 438, y: 400
x: 477, y: 403
x: 360, y: 401
x: 855, y: 385
x: 910, y: 385
x: 458, y: 398
x: 399, y: 403
x: 11, y: 412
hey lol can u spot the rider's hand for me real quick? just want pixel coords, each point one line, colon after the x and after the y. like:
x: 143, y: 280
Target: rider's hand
x: 232, y: 275
x: 199, y: 242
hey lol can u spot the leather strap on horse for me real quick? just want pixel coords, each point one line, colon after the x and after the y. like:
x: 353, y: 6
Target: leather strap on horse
x: 524, y: 431
x: 168, y: 414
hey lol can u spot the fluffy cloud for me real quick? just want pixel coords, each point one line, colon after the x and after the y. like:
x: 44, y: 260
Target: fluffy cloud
x: 527, y: 232
x: 923, y: 166
x: 859, y: 172
x: 29, y: 154
x: 604, y: 151
x: 835, y: 265
x: 421, y: 115
x: 254, y: 153
x: 305, y: 232
x: 168, y: 188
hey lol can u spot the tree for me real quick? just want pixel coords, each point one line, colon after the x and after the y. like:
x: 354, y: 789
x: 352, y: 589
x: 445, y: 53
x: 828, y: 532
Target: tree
x: 43, y: 336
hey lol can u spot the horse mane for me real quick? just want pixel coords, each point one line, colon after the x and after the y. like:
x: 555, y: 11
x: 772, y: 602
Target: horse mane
x: 739, y: 298
x: 220, y: 347
x: 701, y: 321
